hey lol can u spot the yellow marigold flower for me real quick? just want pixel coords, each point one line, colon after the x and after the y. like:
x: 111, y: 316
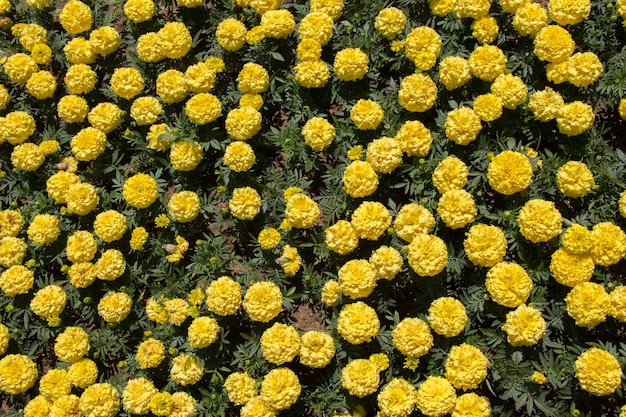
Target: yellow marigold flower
x: 355, y: 153
x: 450, y: 174
x: 290, y: 261
x: 545, y: 104
x: 569, y: 12
x: 447, y: 316
x: 203, y: 108
x: 583, y: 69
x: 598, y: 372
x: 177, y: 311
x: 245, y: 203
x: 441, y: 7
x: 390, y: 22
x: 341, y: 237
x: 575, y: 118
x: 357, y: 278
x: 115, y: 307
x: 263, y: 6
x: 539, y: 221
x: 105, y: 40
x: 76, y: 17
x: 239, y: 156
x: 618, y: 303
x: 72, y: 344
x: 333, y: 8
x: 331, y: 291
x: 436, y: 397
x: 301, y: 211
x: 472, y: 8
x: 137, y: 395
x: 174, y: 39
x: 202, y: 332
x: 318, y: 133
x: 280, y: 388
x: 485, y: 29
x: 316, y: 30
x: 269, y: 238
x: 5, y: 97
x: 471, y: 405
x: 427, y: 255
x: 358, y: 323
x: 111, y: 265
x: 574, y: 179
x: 27, y: 157
x: 100, y: 400
x: 140, y: 191
x: 49, y: 147
x: 19, y: 125
x: 397, y: 398
x: 161, y: 404
x: 609, y: 244
x: 110, y: 225
x: 351, y: 64
x: 79, y: 51
x: 530, y: 18
x: 588, y: 304
x: 488, y: 107
x: 251, y: 100
x: 485, y: 245
x: 423, y: 47
x: 411, y: 220
x: 243, y: 123
x: 40, y: 405
x: 571, y: 269
x: 317, y: 349
x: 366, y: 114
x: 139, y: 11
x: 359, y: 179
x: 138, y: 238
x: 487, y: 62
x: 184, y: 206
x: 508, y: 284
x: 554, y: 44
x: 263, y: 301
x: 80, y: 79
x: 83, y: 373
x: 44, y: 229
x: 462, y: 125
x: 257, y: 407
x: 538, y: 378
x: 253, y: 79
x: 417, y: 93
x: 414, y: 138
x: 412, y: 337
x: 312, y: 74
x: 509, y: 172
x: 454, y: 72
x: 126, y: 82
x: 466, y: 367
x: 280, y: 343
x: 184, y: 405
x: 16, y: 280
x: 18, y: 373
x: 240, y: 388
x: 370, y: 220
x: 200, y: 78
x: 41, y: 54
x: 456, y: 208
x: 150, y: 353
x: 105, y: 117
x: 223, y: 296
x: 360, y: 377
x: 622, y: 108
x: 184, y: 155
x: 11, y: 222
x: 510, y: 89
x: 5, y: 337
x: 577, y: 240
x: 231, y: 34
x: 277, y: 24
x: 41, y: 85
x: 82, y: 274
x: 524, y: 326
x: 149, y: 48
x: 511, y: 6
x: 255, y: 35
x: 386, y: 262
x: 19, y: 67
x: 12, y: 251
x: 171, y: 86
x: 72, y: 109
x: 81, y: 198
x: 49, y: 301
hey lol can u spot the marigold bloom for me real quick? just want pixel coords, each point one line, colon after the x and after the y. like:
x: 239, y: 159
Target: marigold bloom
x: 171, y: 86
x: 357, y: 278
x: 530, y: 18
x: 150, y: 353
x: 105, y: 40
x: 485, y: 29
x: 202, y: 332
x: 554, y: 44
x: 524, y: 326
x: 149, y: 48
x: 44, y: 229
x: 423, y: 47
x: 510, y: 172
x: 277, y: 24
x: 263, y: 301
x: 397, y: 398
x: 79, y: 51
x: 487, y: 62
x: 100, y: 400
x: 82, y: 274
x: 571, y: 269
x: 390, y: 22
x: 472, y: 8
x: 115, y: 307
x: 450, y: 174
x: 245, y: 203
x: 575, y: 118
x: 39, y: 405
x: 488, y: 107
x: 316, y: 26
x: 454, y: 72
x: 574, y: 179
x: 186, y: 370
x: 223, y: 296
x: 609, y: 244
x: 471, y: 405
x: 598, y: 372
x: 18, y: 373
x: 414, y: 138
x: 19, y: 126
x: 80, y: 79
x: 358, y: 323
x: 19, y: 67
x: 456, y: 208
x: 331, y: 291
x: 16, y: 280
x: 318, y: 133
x: 139, y: 10
x: 466, y: 366
x: 412, y: 337
x: 387, y: 262
x: 583, y: 69
x: 447, y: 316
x: 351, y: 64
x: 436, y: 397
x: 54, y: 384
x: 462, y: 125
x: 280, y: 388
x: 360, y: 377
x: 126, y: 82
x: 545, y: 104
x: 577, y: 240
x: 427, y: 255
x: 105, y: 117
x: 508, y: 284
x: 290, y: 261
x: 510, y: 89
x: 588, y: 304
x: 332, y: 8
x: 72, y: 109
x: 175, y: 40
x: 27, y: 157
x: 539, y: 221
x: 280, y: 343
x: 485, y: 245
x: 257, y: 407
x: 49, y: 301
x: 411, y: 220
x: 569, y: 12
x: 203, y: 108
x: 41, y: 85
x: 72, y: 344
x: 370, y: 220
x: 312, y: 74
x: 76, y: 17
x: 12, y: 251
x: 137, y: 395
x: 243, y: 123
x: 140, y: 190
x: 239, y: 156
x: 341, y: 237
x: 317, y: 349
x: 253, y: 79
x: 366, y: 114
x: 81, y: 198
x: 184, y: 155
x: 240, y: 388
x: 11, y: 222
x: 111, y: 265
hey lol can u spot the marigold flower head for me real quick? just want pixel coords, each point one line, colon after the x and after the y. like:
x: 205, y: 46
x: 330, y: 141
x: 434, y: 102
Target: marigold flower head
x: 277, y: 24
x: 175, y: 40
x: 105, y: 40
x: 358, y: 323
x: 280, y: 388
x: 126, y: 82
x: 472, y: 8
x: 12, y: 251
x: 19, y: 126
x: 485, y: 29
x: 79, y: 50
x: 115, y: 307
x: 427, y: 255
x: 462, y: 125
x: 186, y: 370
x: 575, y: 118
x: 312, y: 73
x: 524, y: 326
x: 80, y: 79
x: 436, y: 397
x: 414, y: 138
x: 269, y: 238
x: 577, y: 240
x: 387, y: 262
x: 202, y: 332
x: 149, y: 48
x: 412, y: 337
x: 574, y: 179
x: 105, y: 117
x: 100, y: 400
x: 397, y: 398
x: 598, y: 372
x: 423, y: 47
x: 366, y: 114
x: 360, y: 377
x: 184, y: 155
x: 76, y: 17
x: 203, y: 108
x: 545, y: 104
x: 263, y: 301
x: 331, y: 291
x: 539, y: 221
x: 18, y: 373
x: 457, y: 208
x: 317, y: 27
x: 417, y: 93
x: 251, y: 100
x: 139, y: 11
x: 171, y: 86
x: 240, y: 388
x: 554, y: 44
x: 41, y: 85
x: 280, y: 343
x: 245, y: 203
x: 411, y: 220
x: 351, y: 64
x: 49, y: 301
x: 450, y: 174
x: 317, y: 349
x: 390, y: 22
x: 357, y: 278
x: 72, y: 344
x: 82, y: 274
x: 223, y: 296
x: 72, y: 109
x: 447, y: 316
x: 609, y: 245
x: 509, y: 172
x: 569, y: 12
x: 111, y: 265
x: 333, y: 8
x: 370, y: 220
x: 508, y: 284
x: 137, y: 395
x: 530, y: 18
x: 318, y: 133
x: 200, y: 77
x: 487, y: 62
x: 466, y: 367
x: 571, y: 269
x: 11, y: 222
x: 150, y: 353
x: 252, y: 79
x: 243, y: 123
x: 588, y: 304
x: 161, y: 404
x: 488, y: 107
x: 27, y: 157
x: 19, y: 67
x: 471, y: 405
x: 44, y: 229
x: 583, y: 69
x: 510, y: 89
x: 341, y: 237
x: 39, y: 405
x: 257, y: 407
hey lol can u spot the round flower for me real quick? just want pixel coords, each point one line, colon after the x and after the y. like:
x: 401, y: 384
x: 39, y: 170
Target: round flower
x: 82, y: 274
x: 27, y: 157
x: 462, y: 125
x: 577, y: 240
x: 471, y: 405
x: 18, y: 373
x: 574, y: 179
x: 510, y: 89
x: 450, y: 174
x: 312, y: 74
x: 100, y: 400
x: 370, y: 220
x: 609, y: 245
x: 161, y: 404
x: 301, y: 211
x: 466, y: 367
x: 269, y: 238
x: 331, y: 291
x: 76, y: 17
x: 81, y: 198
x: 351, y: 64
x: 472, y: 8
x: 44, y: 229
x: 280, y: 343
x: 412, y: 337
x: 456, y: 208
x: 54, y: 384
x: 387, y: 262
x: 332, y: 8
x: 341, y: 237
x: 257, y: 407
x: 21, y: 126
x: 80, y: 79
x: 149, y: 48
x: 487, y: 62
x: 140, y: 191
x: 360, y: 377
x: 150, y: 353
x: 105, y: 117
x: 397, y: 399
x: 126, y: 82
x: 184, y: 155
x: 38, y: 406
x: 575, y: 118
x: 530, y: 18
x: 366, y: 114
x: 239, y: 156
x: 317, y: 349
x: 243, y: 123
x: 427, y: 255
x: 358, y: 323
x: 16, y: 280
x: 202, y: 332
x: 111, y: 265
x: 184, y: 206
x: 485, y: 29
x: 245, y: 203
x: 263, y: 301
x: 41, y: 85
x: 571, y: 269
x: 510, y: 172
x: 569, y: 12
x: 318, y: 133
x: 137, y: 395
x: 171, y: 86
x: 414, y: 138
x: 539, y: 221
x: 524, y: 326
x: 72, y: 109
x: 88, y: 144
x: 583, y: 69
x: 79, y: 51
x: 316, y: 26
x: 390, y: 22
x: 240, y: 388
x: 485, y: 245
x: 588, y: 304
x: 357, y: 278
x: 622, y: 109
x: 203, y: 108
x: 5, y: 337
x: 200, y: 77
x: 488, y: 107
x: 447, y: 316
x: 545, y: 104
x: 598, y: 372
x: 554, y: 44
x: 384, y: 155
x: 454, y: 72
x: 508, y: 284
x: 423, y: 47
x: 618, y: 304
x: 138, y: 11
x: 277, y: 24
x: 49, y: 301
x: 115, y: 307
x: 83, y: 373
x: 411, y: 220
x: 11, y: 223
x: 290, y: 261
x: 175, y: 40
x: 110, y: 225
x: 5, y: 97
x: 359, y: 179
x: 253, y: 79
x: 280, y: 388
x: 105, y: 40
x: 436, y: 397
x: 186, y: 370
x: 72, y: 344
x: 19, y: 67
x: 223, y: 296
x: 12, y: 251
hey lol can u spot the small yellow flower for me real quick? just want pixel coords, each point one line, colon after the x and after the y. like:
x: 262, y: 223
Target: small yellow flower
x: 355, y: 153
x: 162, y: 221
